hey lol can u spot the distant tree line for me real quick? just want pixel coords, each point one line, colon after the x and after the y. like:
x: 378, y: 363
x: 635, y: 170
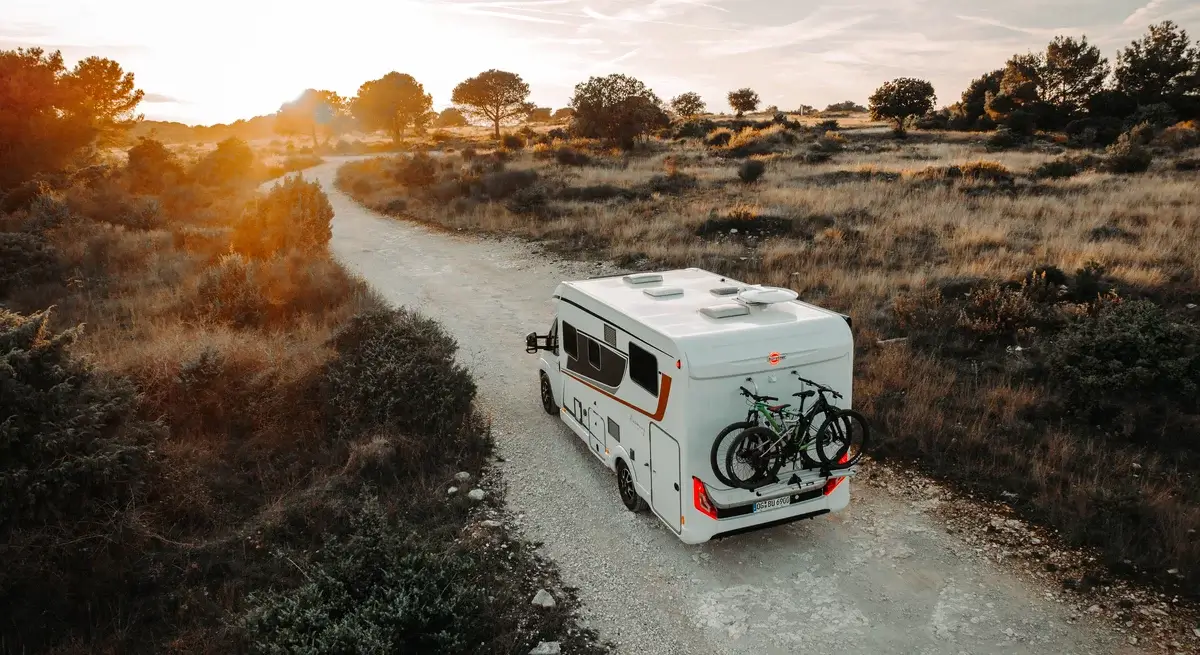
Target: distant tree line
x: 1069, y: 86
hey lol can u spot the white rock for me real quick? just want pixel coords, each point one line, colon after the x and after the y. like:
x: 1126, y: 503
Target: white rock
x: 1191, y: 305
x: 451, y: 491
x: 543, y: 599
x: 547, y: 648
x: 462, y: 476
x: 1132, y: 640
x: 476, y: 494
x: 490, y: 524
x: 1093, y: 609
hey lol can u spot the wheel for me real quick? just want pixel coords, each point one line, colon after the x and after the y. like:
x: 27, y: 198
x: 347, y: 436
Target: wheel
x: 629, y: 495
x: 720, y: 448
x: 753, y: 458
x: 842, y: 439
x: 816, y: 420
x: 548, y: 403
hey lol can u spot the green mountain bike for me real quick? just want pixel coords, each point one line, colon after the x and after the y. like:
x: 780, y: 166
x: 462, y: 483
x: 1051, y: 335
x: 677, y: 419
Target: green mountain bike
x: 837, y: 436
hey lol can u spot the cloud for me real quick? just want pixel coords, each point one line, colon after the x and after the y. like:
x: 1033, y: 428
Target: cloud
x: 161, y: 99
x: 812, y: 28
x: 1139, y: 16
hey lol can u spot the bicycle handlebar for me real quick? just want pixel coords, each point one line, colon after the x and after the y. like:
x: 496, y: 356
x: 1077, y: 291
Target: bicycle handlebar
x: 820, y: 387
x: 746, y: 393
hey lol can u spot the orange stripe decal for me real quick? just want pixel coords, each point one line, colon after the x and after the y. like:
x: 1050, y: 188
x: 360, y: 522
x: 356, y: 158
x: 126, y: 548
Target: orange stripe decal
x: 664, y: 394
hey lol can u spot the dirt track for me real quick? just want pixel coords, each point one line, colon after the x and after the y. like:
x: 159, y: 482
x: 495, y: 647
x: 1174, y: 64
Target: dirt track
x: 882, y: 577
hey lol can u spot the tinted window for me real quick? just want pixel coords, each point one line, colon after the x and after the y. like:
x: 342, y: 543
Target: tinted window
x: 643, y: 368
x: 614, y: 430
x: 570, y: 340
x: 593, y: 353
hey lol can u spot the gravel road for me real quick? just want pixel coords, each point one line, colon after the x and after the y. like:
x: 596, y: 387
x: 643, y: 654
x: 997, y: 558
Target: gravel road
x: 881, y: 577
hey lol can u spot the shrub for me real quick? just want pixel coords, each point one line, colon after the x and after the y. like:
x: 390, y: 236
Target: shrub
x: 232, y: 162
x: 1192, y: 164
x: 986, y: 171
x: 416, y: 172
x: 1126, y: 156
x: 719, y: 138
x: 1088, y: 132
x: 693, y: 129
x: 395, y: 372
x: 468, y: 154
x: 26, y: 260
x: 1180, y: 137
x: 530, y: 200
x: 829, y: 125
x: 512, y: 142
x: 997, y: 312
x: 671, y: 184
x: 1004, y: 138
x: 830, y: 142
x: 1130, y: 357
x: 1142, y: 134
x: 1066, y: 166
x: 70, y: 465
x: 151, y: 167
x: 568, y: 156
x: 295, y: 215
x: 751, y: 170
x: 21, y: 196
x: 1157, y: 115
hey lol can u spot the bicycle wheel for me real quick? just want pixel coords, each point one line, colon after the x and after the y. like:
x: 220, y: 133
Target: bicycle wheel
x: 842, y: 440
x: 809, y: 457
x: 720, y: 448
x: 753, y: 458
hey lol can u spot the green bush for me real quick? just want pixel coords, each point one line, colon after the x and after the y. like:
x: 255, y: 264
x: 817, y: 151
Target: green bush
x: 1127, y: 156
x: 26, y: 260
x: 294, y: 215
x: 71, y: 467
x: 1130, y: 358
x: 395, y: 372
x: 1066, y: 166
x: 416, y: 172
x: 751, y: 170
x: 512, y: 141
x: 1004, y: 138
x: 568, y: 156
x: 373, y: 592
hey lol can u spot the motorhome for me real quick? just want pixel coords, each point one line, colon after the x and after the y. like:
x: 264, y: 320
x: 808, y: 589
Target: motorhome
x: 646, y: 368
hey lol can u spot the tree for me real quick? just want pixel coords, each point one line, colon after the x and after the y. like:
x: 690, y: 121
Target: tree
x: 688, y: 105
x: 1163, y: 66
x: 847, y: 105
x: 743, y: 100
x: 450, y: 117
x: 563, y: 115
x: 617, y: 108
x: 493, y: 95
x: 312, y: 111
x: 1073, y: 72
x: 108, y: 95
x: 231, y: 163
x: 971, y: 110
x: 539, y: 115
x: 48, y: 115
x: 393, y: 103
x: 151, y: 167
x: 900, y: 98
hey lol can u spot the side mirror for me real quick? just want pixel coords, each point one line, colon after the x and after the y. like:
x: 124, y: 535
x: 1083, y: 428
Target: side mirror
x: 531, y: 345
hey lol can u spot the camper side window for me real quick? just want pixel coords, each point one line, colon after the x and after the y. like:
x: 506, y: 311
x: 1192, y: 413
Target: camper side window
x: 570, y: 340
x: 593, y: 353
x: 643, y: 368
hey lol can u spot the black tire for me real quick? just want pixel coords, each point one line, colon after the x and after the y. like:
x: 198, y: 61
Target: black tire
x: 816, y: 421
x: 846, y: 434
x: 748, y: 463
x: 629, y: 495
x: 720, y: 449
x: 548, y: 403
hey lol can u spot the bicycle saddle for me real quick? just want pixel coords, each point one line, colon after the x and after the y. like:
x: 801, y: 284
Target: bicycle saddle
x: 778, y: 408
x: 805, y: 394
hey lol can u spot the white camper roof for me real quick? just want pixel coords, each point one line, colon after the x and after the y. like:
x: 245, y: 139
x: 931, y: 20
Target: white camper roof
x: 682, y: 306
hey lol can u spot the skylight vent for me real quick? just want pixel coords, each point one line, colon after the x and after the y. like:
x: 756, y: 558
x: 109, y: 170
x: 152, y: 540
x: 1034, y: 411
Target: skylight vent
x: 643, y: 278
x: 663, y: 292
x: 725, y: 311
x: 725, y: 291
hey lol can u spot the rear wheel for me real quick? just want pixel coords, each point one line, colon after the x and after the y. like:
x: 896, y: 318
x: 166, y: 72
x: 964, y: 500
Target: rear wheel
x: 753, y: 458
x: 720, y: 449
x: 809, y: 456
x: 548, y: 403
x: 843, y: 439
x: 629, y: 495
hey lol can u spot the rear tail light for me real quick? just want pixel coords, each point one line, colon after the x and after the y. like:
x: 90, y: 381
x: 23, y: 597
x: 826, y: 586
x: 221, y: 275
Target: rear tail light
x: 832, y: 484
x: 703, y: 502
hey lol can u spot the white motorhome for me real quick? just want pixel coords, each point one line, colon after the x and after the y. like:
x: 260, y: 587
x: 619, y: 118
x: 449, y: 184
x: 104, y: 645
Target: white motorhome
x: 645, y: 370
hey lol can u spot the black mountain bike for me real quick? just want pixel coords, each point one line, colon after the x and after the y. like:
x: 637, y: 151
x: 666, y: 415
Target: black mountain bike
x: 759, y: 413
x: 838, y: 436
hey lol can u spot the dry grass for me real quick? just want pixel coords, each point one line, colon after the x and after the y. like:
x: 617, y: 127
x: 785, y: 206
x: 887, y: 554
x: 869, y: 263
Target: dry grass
x: 881, y: 218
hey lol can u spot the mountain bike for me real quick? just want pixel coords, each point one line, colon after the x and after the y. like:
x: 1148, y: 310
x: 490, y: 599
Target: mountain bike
x: 838, y: 436
x: 758, y: 414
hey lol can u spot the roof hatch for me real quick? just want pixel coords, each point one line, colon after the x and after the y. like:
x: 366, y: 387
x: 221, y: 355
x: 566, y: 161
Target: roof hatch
x: 663, y: 292
x: 643, y: 278
x: 725, y: 291
x: 728, y: 310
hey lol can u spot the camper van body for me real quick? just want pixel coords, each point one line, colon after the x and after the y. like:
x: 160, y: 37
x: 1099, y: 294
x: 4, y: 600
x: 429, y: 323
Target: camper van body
x: 645, y: 370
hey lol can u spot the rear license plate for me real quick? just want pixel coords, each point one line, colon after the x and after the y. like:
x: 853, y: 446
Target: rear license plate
x: 774, y: 503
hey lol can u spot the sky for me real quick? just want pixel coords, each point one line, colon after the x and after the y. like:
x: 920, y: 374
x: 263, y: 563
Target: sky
x: 220, y: 60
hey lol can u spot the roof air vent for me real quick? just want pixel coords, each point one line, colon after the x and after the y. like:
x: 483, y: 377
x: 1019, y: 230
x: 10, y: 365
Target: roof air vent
x: 643, y: 278
x: 725, y: 311
x: 725, y: 291
x: 663, y: 292
x: 760, y: 295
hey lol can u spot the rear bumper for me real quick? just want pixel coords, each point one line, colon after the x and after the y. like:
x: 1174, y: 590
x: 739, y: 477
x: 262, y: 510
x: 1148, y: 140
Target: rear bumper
x: 700, y: 528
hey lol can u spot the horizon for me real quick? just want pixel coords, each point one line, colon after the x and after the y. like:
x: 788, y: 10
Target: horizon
x: 815, y: 55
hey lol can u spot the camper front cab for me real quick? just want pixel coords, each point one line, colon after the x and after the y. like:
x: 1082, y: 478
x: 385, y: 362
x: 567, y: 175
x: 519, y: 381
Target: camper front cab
x: 645, y: 370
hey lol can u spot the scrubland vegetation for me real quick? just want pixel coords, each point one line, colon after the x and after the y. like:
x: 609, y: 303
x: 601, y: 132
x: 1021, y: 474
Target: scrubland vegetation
x: 1023, y: 286
x: 212, y: 439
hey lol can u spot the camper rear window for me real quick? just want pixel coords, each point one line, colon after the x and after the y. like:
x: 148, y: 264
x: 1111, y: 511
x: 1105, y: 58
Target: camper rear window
x: 570, y: 340
x: 643, y: 368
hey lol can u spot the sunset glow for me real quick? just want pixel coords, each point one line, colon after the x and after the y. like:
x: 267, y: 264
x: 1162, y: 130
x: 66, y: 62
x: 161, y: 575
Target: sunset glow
x: 222, y: 60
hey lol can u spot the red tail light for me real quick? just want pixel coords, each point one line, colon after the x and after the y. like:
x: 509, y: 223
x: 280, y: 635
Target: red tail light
x: 703, y: 502
x: 832, y: 484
